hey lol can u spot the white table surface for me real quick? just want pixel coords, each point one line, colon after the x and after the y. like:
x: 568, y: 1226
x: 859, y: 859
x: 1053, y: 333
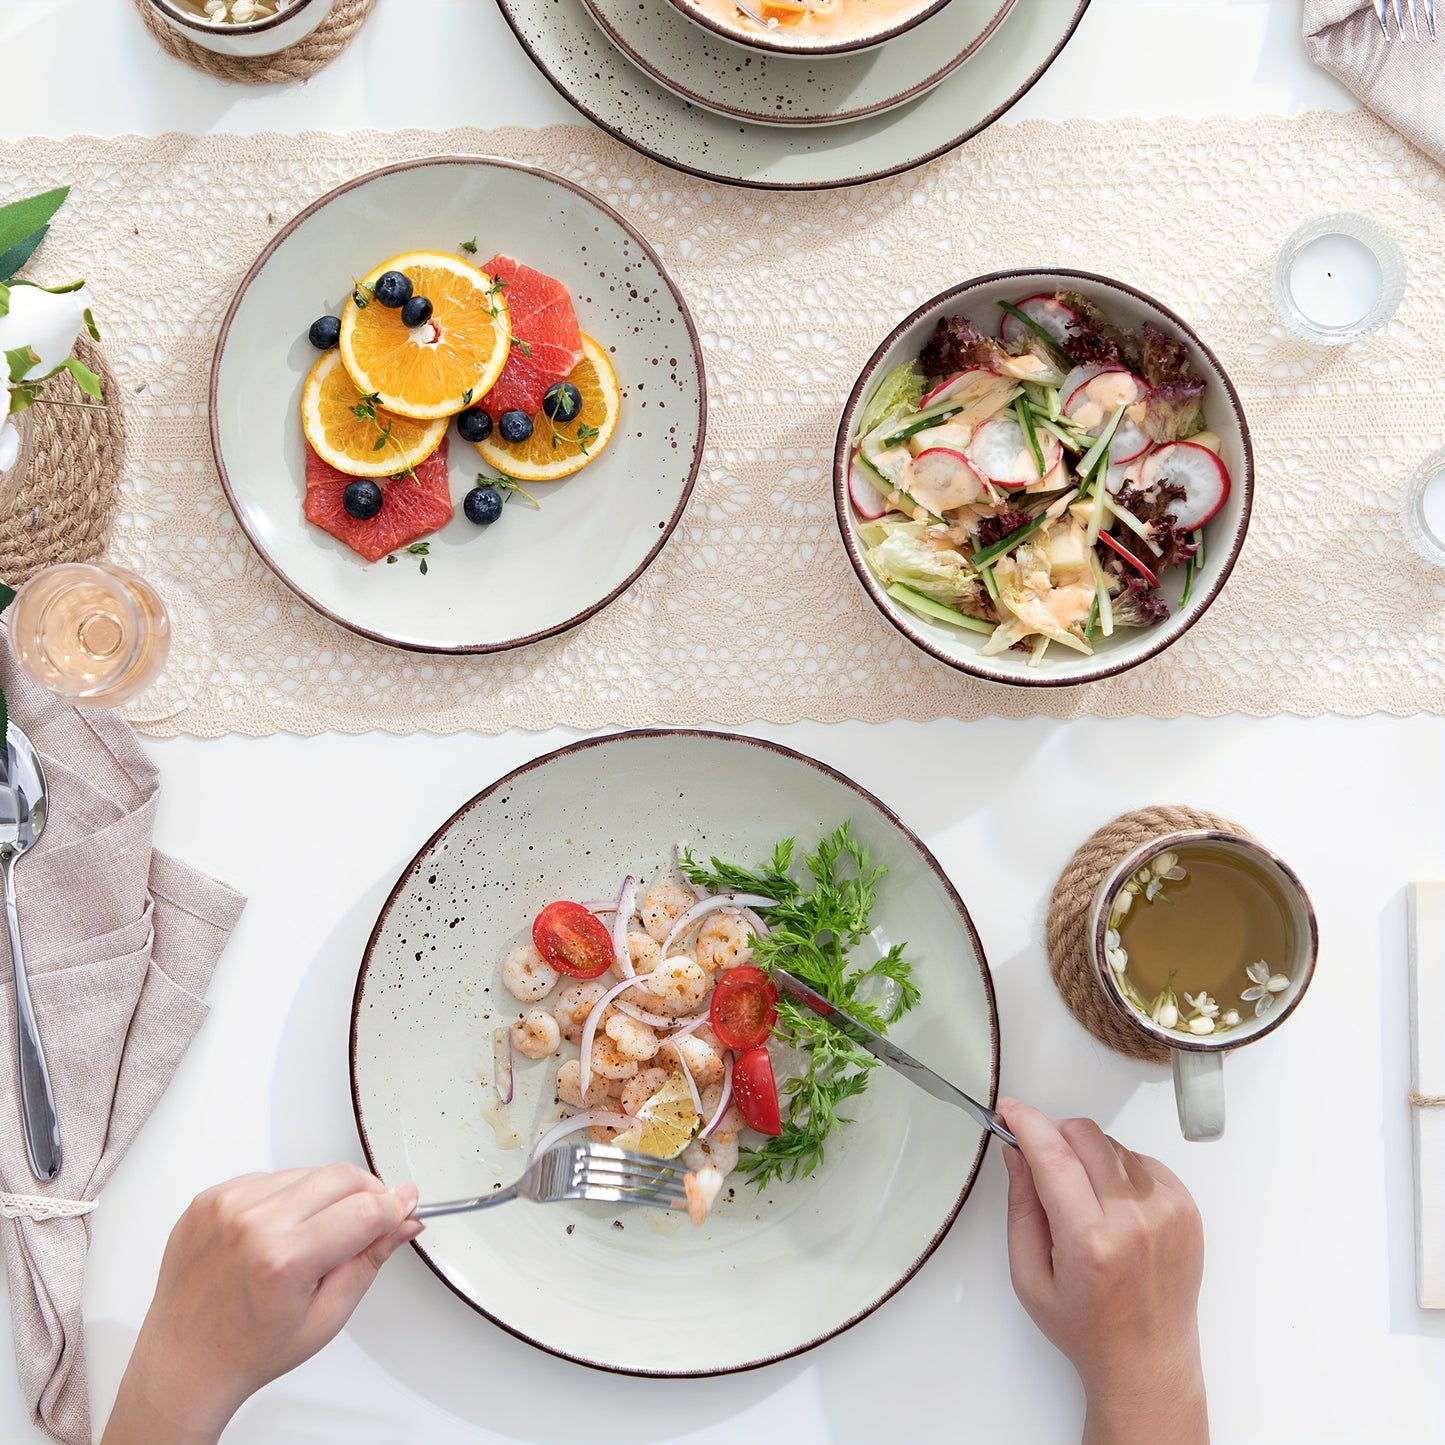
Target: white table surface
x: 1311, y: 1333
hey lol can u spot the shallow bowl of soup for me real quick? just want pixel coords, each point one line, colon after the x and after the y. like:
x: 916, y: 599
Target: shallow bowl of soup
x: 810, y: 27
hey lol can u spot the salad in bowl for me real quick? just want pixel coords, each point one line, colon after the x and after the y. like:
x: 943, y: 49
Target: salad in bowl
x: 1043, y: 477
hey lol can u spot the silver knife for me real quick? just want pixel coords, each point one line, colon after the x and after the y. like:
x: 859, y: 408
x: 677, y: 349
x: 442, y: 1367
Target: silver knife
x: 891, y: 1054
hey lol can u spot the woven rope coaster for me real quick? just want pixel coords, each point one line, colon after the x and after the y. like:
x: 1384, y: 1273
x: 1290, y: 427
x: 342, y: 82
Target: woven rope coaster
x: 296, y: 62
x: 1067, y: 932
x: 66, y: 504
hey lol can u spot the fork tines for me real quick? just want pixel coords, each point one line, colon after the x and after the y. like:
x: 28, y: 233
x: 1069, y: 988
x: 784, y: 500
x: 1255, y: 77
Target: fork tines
x: 1399, y: 8
x: 613, y: 1174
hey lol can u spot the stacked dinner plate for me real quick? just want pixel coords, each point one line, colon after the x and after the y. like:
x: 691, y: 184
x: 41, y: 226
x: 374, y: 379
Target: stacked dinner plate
x: 793, y: 93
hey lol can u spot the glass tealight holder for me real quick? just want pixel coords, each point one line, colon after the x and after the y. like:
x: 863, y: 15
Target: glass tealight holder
x: 1423, y: 505
x: 1338, y: 279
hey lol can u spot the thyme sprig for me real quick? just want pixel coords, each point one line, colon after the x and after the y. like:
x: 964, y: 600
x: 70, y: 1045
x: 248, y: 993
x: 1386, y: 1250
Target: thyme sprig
x: 365, y: 410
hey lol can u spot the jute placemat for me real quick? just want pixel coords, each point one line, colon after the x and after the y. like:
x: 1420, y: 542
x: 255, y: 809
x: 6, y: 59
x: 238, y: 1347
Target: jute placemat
x: 65, y: 508
x: 1067, y: 932
x: 296, y: 62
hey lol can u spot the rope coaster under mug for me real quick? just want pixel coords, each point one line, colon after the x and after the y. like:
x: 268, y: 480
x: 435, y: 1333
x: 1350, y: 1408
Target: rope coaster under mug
x: 1067, y: 931
x: 66, y: 505
x: 296, y: 62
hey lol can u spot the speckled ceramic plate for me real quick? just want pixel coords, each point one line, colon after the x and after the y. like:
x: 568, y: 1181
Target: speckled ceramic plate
x: 590, y: 72
x: 780, y: 1271
x: 802, y: 39
x: 785, y: 91
x: 533, y: 573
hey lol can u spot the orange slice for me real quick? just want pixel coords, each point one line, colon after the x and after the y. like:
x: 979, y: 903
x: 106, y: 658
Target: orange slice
x: 438, y: 368
x: 557, y: 449
x: 358, y: 438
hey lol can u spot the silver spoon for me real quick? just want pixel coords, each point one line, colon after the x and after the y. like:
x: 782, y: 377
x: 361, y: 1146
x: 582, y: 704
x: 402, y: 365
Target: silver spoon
x: 768, y: 24
x: 22, y: 820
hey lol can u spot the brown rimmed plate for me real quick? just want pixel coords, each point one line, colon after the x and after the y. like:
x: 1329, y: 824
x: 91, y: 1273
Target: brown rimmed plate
x: 780, y: 1271
x: 1224, y: 535
x: 787, y: 40
x: 587, y: 70
x: 534, y: 573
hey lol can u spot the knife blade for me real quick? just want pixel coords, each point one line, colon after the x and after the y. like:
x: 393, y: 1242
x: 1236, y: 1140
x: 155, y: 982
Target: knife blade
x: 889, y: 1053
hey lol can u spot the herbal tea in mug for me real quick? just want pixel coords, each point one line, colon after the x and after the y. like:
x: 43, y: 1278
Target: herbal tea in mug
x: 1201, y: 939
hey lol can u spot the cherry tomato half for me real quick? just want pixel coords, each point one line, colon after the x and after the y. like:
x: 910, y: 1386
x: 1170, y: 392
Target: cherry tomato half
x: 572, y: 940
x: 744, y: 1007
x: 755, y: 1091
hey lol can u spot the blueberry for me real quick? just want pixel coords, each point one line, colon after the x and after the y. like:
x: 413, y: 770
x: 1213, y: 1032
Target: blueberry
x: 474, y: 425
x: 562, y: 401
x: 515, y: 426
x: 417, y: 310
x: 325, y: 332
x: 483, y: 505
x: 362, y: 500
x: 392, y: 289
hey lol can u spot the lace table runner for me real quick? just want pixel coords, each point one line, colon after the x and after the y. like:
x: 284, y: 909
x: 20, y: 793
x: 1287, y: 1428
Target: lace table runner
x: 751, y: 611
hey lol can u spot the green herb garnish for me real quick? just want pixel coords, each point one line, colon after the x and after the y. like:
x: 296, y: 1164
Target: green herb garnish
x: 469, y: 246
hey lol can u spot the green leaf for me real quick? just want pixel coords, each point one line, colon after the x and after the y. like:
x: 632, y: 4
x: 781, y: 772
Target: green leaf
x: 4, y: 300
x: 24, y: 396
x: 470, y: 246
x: 12, y: 260
x: 7, y: 595
x: 21, y: 219
x: 90, y: 325
x: 20, y: 359
x: 62, y: 290
x: 85, y: 378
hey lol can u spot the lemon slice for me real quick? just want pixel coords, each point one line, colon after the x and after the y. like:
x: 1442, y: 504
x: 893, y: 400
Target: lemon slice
x: 438, y: 368
x: 665, y: 1123
x: 554, y: 451
x: 366, y: 443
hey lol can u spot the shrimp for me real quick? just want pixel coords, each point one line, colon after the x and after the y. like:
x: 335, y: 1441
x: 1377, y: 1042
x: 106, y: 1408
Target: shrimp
x: 606, y: 1133
x: 536, y: 1034
x: 609, y: 1062
x: 643, y: 951
x: 722, y: 942
x: 569, y: 1080
x: 731, y: 1121
x: 642, y: 1088
x: 703, y: 1062
x: 634, y: 1039
x: 720, y: 1152
x: 677, y: 985
x: 573, y: 1005
x: 662, y: 906
x: 527, y: 975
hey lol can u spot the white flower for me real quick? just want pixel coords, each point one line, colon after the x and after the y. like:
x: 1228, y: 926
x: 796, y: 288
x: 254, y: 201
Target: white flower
x: 1202, y: 1025
x: 1111, y: 938
x: 1204, y: 1005
x: 9, y: 434
x: 1167, y: 1016
x: 46, y: 323
x: 1117, y: 959
x: 1123, y: 903
x: 1262, y: 988
x: 1229, y: 1019
x: 1277, y: 983
x: 1166, y: 865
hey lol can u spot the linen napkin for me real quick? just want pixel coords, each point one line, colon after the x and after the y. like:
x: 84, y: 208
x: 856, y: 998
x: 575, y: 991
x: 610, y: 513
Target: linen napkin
x: 1401, y: 81
x: 120, y: 943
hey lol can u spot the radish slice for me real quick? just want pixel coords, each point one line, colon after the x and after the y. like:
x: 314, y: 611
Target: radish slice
x: 1129, y: 441
x: 1046, y: 312
x: 1130, y: 558
x: 735, y: 901
x: 624, y: 908
x: 1204, y: 478
x: 955, y: 383
x: 1122, y: 389
x: 868, y: 501
x: 1079, y: 376
x: 502, y: 1063
x: 1001, y: 452
x: 574, y: 1122
x: 725, y: 1099
x: 942, y: 479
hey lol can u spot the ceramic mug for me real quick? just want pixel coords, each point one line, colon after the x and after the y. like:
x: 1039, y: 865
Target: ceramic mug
x: 1199, y: 1059
x: 251, y: 37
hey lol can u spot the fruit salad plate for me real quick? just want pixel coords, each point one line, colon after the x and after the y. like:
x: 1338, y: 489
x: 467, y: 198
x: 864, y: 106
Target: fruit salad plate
x: 588, y: 70
x: 765, y: 89
x: 779, y: 1270
x: 485, y: 577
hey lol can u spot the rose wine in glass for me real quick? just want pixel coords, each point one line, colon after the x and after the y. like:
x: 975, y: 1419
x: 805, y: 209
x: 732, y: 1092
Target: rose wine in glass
x: 95, y: 634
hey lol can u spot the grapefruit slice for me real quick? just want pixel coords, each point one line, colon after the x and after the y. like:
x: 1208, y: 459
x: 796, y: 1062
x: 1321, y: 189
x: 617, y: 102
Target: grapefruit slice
x: 556, y: 451
x: 410, y: 507
x: 548, y: 341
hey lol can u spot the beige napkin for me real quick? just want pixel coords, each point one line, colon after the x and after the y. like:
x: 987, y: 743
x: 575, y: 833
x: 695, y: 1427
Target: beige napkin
x: 1401, y: 81
x: 120, y: 942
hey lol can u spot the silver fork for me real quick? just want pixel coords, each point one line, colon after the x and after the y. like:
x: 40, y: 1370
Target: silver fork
x: 581, y: 1171
x: 1383, y: 9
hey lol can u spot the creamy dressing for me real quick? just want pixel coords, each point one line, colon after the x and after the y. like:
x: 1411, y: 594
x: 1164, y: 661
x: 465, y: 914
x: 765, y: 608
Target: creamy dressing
x: 1103, y: 396
x: 813, y: 21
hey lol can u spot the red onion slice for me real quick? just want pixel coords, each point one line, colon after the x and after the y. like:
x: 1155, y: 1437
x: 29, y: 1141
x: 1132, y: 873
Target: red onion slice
x: 719, y: 901
x: 584, y: 1120
x: 686, y: 1074
x: 656, y: 1021
x: 589, y: 1031
x: 696, y: 889
x: 502, y: 1063
x: 727, y: 1098
x: 624, y: 908
x: 688, y: 1025
x: 755, y: 922
x: 599, y: 905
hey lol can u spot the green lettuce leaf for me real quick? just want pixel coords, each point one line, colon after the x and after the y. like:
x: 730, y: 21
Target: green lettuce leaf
x: 900, y: 390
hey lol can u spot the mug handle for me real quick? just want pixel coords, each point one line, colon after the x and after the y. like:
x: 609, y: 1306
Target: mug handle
x: 1199, y: 1093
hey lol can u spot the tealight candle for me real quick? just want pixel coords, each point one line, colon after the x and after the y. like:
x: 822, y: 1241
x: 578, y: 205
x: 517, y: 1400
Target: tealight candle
x: 1338, y: 279
x: 1424, y: 509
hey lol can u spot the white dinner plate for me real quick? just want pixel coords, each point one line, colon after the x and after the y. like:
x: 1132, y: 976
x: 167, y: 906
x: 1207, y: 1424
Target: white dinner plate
x: 766, y: 89
x: 533, y: 573
x: 779, y: 1271
x: 594, y: 76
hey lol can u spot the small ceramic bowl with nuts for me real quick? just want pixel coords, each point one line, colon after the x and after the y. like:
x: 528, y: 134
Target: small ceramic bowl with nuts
x: 243, y: 27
